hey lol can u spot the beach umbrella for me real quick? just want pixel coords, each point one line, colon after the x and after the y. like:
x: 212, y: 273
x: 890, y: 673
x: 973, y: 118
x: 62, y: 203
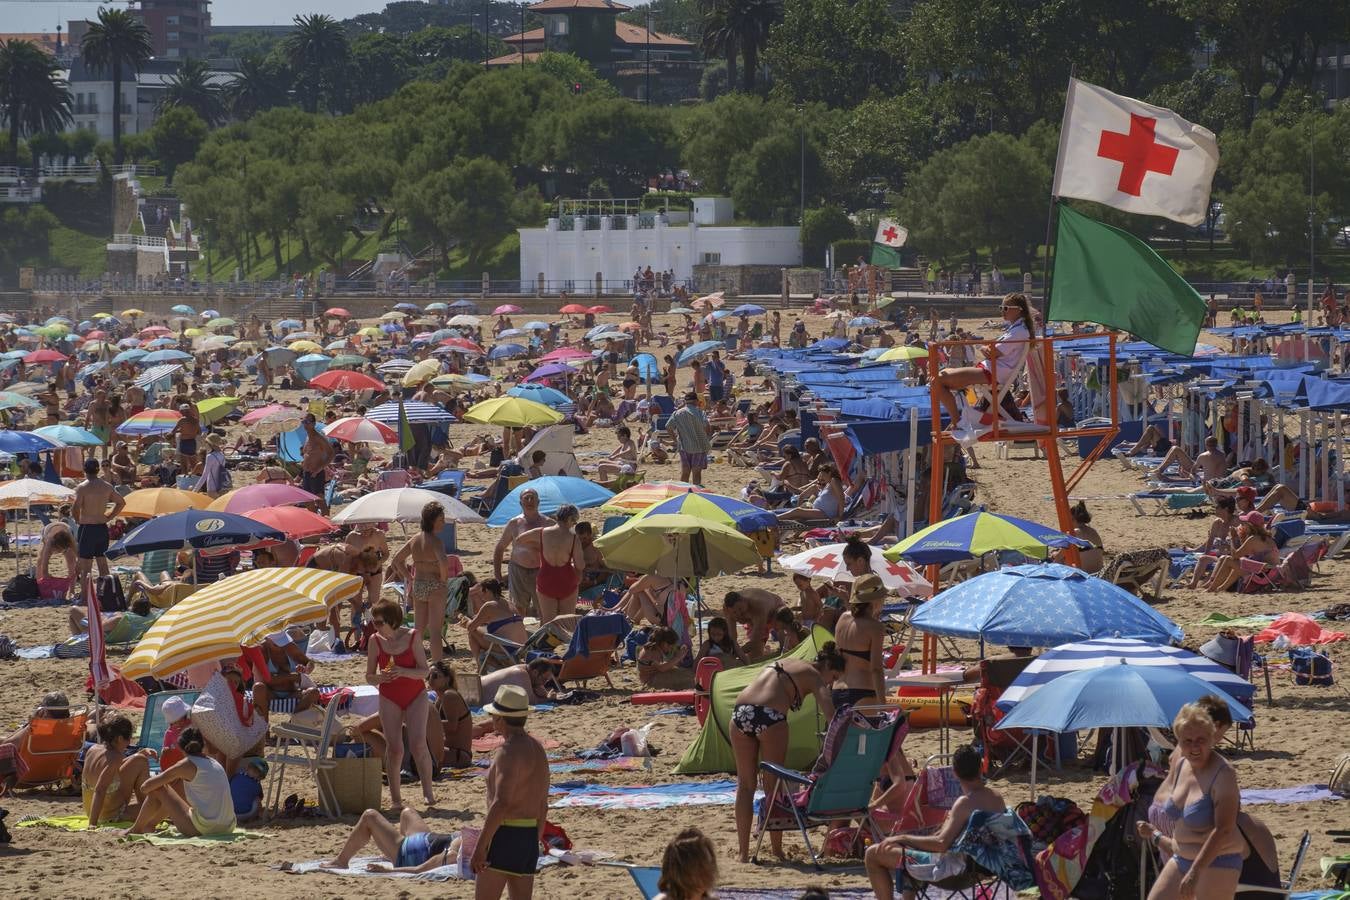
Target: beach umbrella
x: 300, y: 336
x: 694, y: 351
x: 93, y: 334
x: 290, y: 325
x: 150, y: 421
x: 466, y: 319
x: 199, y: 529
x: 70, y: 435
x: 421, y: 372
x: 42, y: 357
x: 296, y: 522
x: 25, y: 492
x: 312, y: 364
x: 677, y: 546
x: 574, y: 309
x: 563, y: 354
x: 344, y: 380
x: 14, y: 354
x: 148, y: 503
x: 131, y: 355
x: 540, y: 394
x: 128, y: 343
x: 513, y: 412
x: 416, y: 411
x: 598, y: 310
x: 339, y: 344
x: 305, y: 347
x: 273, y: 416
x: 510, y: 332
x: 164, y: 356
x: 550, y: 370
x: 26, y: 442
x: 359, y: 430
x: 210, y: 314
x: 431, y: 307
x: 154, y: 331
x: 975, y: 534
x: 641, y: 496
x: 747, y: 309
x: 156, y: 374
x: 96, y: 348
x: 902, y: 354
x: 506, y: 351
x: 394, y: 315
x: 412, y: 307
x: 239, y: 610
x: 535, y: 326
x: 827, y: 561
x: 53, y: 332
x: 714, y: 299
x: 213, y: 409
x: 738, y: 514
x: 132, y: 313
x: 183, y: 309
x: 281, y: 356
x: 257, y: 496
x: 161, y: 343
x: 463, y: 345
x: 680, y: 310
x: 12, y: 400
x: 337, y: 312
x: 347, y: 360
x: 451, y: 381
x: 1042, y: 605
x: 219, y: 324
x: 554, y: 491
x: 719, y: 314
x: 506, y: 309
x: 59, y: 320
x: 395, y: 366
x: 404, y: 505
x: 864, y: 322
x: 1057, y: 662
x: 466, y: 305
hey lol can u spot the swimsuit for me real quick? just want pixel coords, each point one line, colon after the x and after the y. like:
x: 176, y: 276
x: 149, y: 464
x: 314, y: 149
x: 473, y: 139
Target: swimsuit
x: 426, y: 589
x: 494, y: 627
x: 754, y: 719
x: 92, y: 541
x: 515, y: 848
x: 560, y: 581
x: 1196, y: 816
x: 416, y: 849
x: 314, y: 482
x: 402, y: 690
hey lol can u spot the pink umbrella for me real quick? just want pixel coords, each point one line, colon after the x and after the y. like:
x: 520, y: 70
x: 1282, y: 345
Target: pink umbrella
x: 562, y: 354
x: 360, y: 430
x: 295, y: 522
x: 155, y: 330
x: 274, y: 414
x: 599, y: 310
x: 257, y: 496
x: 506, y: 309
x: 44, y: 356
x: 345, y: 380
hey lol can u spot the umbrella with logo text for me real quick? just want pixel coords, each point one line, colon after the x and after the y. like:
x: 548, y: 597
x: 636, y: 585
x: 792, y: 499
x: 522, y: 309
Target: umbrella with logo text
x: 199, y: 529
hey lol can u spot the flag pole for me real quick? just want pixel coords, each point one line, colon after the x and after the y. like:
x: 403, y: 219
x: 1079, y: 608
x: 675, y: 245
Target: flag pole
x: 1050, y: 214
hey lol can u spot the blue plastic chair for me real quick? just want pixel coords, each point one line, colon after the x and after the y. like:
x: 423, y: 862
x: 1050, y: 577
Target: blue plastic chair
x: 647, y: 879
x: 153, y: 725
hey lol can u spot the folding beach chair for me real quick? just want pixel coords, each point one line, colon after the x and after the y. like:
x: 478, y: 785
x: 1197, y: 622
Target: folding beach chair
x: 997, y: 851
x: 843, y: 790
x: 1165, y: 501
x: 153, y: 725
x: 647, y: 879
x: 1286, y: 887
x: 590, y: 653
x: 49, y: 750
x: 1134, y: 569
x: 1002, y: 747
x: 310, y: 749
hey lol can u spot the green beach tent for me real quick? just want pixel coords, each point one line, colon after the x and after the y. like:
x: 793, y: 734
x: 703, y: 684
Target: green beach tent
x: 711, y: 750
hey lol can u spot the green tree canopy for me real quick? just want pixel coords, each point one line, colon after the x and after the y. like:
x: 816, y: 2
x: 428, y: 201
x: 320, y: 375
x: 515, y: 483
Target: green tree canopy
x: 835, y: 52
x: 176, y: 137
x: 115, y: 43
x: 34, y: 98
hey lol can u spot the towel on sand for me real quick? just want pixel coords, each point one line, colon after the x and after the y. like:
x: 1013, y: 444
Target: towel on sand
x: 1303, y: 793
x: 172, y: 838
x: 358, y: 869
x: 65, y: 823
x: 642, y: 796
x: 1219, y: 620
x: 1301, y: 630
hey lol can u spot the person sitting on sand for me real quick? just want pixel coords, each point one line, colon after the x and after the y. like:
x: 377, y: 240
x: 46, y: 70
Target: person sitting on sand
x: 204, y: 807
x: 896, y: 854
x: 660, y: 662
x: 57, y: 540
x: 688, y: 868
x: 279, y: 676
x: 623, y: 460
x: 110, y: 779
x: 536, y: 678
x: 721, y: 643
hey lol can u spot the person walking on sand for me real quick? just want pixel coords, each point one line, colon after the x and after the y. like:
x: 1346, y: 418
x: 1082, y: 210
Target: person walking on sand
x: 690, y: 428
x: 560, y: 562
x: 517, y: 801
x: 315, y: 457
x: 523, y: 570
x: 96, y: 504
x: 431, y: 573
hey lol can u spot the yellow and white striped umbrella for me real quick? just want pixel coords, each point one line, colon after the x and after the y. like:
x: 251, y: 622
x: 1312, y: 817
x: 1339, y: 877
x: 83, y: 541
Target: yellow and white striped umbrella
x: 242, y: 609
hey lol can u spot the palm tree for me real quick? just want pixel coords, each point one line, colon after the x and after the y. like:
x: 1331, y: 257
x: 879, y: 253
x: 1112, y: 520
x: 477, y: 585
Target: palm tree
x: 192, y: 87
x: 33, y: 95
x: 116, y: 42
x: 317, y: 51
x: 748, y: 23
x: 717, y: 39
x: 257, y: 86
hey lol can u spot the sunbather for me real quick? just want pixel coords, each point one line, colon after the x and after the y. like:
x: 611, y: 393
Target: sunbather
x: 645, y: 600
x: 536, y: 678
x: 821, y: 501
x: 1256, y: 551
x: 720, y: 642
x: 137, y: 618
x: 660, y: 662
x: 1207, y: 466
x: 110, y: 779
x: 205, y: 806
x: 494, y: 616
x: 410, y: 846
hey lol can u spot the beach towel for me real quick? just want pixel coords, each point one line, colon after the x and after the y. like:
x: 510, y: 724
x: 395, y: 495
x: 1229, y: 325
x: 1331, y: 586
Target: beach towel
x: 1301, y: 630
x: 1303, y: 793
x: 489, y: 742
x: 47, y: 652
x: 794, y: 893
x: 1219, y: 620
x: 78, y: 822
x: 358, y: 869
x: 642, y: 796
x: 568, y: 766
x: 170, y: 837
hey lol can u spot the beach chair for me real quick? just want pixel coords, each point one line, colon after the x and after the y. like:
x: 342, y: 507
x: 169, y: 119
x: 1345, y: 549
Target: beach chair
x: 590, y: 653
x: 1002, y: 747
x: 49, y: 750
x: 1165, y: 501
x: 153, y: 725
x: 1134, y: 569
x: 844, y: 789
x: 647, y: 879
x: 311, y: 749
x: 997, y: 849
x: 666, y: 408
x: 502, y: 652
x: 1286, y: 887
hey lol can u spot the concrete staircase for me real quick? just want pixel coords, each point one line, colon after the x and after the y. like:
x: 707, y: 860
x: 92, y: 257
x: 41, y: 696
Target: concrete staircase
x: 281, y: 308
x: 907, y: 280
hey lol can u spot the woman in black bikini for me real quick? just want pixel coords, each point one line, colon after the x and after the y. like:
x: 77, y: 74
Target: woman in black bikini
x: 759, y: 729
x: 861, y: 637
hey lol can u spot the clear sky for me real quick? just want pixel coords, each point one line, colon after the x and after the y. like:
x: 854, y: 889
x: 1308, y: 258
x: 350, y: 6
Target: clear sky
x: 26, y: 16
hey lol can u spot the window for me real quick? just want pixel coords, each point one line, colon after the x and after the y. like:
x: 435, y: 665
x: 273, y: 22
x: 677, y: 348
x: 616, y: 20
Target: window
x: 557, y: 25
x: 712, y: 259
x: 170, y: 20
x: 172, y: 36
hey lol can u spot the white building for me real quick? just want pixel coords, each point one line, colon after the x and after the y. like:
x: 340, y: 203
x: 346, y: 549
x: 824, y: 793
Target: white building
x: 576, y: 247
x: 91, y: 95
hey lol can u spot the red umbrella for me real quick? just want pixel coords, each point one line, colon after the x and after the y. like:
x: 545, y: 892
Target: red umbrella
x: 345, y: 380
x: 295, y: 521
x: 463, y: 344
x: 575, y: 308
x: 337, y: 312
x: 598, y: 310
x: 96, y: 335
x: 562, y: 354
x: 44, y: 356
x: 356, y: 429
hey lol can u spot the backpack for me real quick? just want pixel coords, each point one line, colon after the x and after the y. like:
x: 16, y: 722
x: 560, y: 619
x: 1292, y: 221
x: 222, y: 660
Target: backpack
x: 111, y: 597
x: 22, y: 588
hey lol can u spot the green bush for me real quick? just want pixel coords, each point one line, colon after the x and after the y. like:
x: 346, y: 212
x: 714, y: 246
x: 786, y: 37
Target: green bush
x: 821, y: 228
x: 847, y: 252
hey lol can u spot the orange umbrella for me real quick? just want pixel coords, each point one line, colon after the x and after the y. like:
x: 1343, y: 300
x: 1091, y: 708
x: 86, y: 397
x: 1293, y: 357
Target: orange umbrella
x: 576, y: 308
x: 295, y: 521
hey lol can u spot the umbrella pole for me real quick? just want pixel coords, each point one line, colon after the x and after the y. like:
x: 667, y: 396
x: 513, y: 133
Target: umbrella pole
x: 1035, y: 737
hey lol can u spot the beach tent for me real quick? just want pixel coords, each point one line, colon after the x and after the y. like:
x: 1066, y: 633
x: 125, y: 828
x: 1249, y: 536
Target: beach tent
x: 711, y: 750
x: 556, y: 442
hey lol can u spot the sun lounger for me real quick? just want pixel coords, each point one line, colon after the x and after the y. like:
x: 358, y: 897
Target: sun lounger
x: 1166, y: 501
x: 1134, y: 569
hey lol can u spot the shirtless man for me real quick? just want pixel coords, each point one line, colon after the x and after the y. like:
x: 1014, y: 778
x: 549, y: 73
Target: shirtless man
x: 523, y: 570
x: 188, y: 429
x: 122, y: 466
x: 561, y: 558
x: 517, y: 804
x: 753, y: 608
x: 339, y: 558
x: 97, y: 418
x: 368, y: 534
x: 315, y: 457
x: 91, y: 510
x: 426, y: 584
x: 1208, y: 466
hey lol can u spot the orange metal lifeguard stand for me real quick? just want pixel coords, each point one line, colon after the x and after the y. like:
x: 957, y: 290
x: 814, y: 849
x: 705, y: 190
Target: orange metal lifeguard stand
x: 1045, y: 432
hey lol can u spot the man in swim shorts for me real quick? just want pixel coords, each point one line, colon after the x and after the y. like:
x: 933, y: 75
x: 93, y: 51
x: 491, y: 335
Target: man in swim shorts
x: 517, y: 799
x: 96, y: 504
x: 523, y: 569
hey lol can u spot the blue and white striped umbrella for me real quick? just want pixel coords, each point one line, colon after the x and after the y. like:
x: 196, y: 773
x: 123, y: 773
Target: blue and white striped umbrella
x: 419, y: 413
x: 1060, y: 661
x: 156, y: 374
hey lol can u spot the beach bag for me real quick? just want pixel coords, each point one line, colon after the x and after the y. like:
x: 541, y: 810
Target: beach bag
x: 844, y: 842
x: 1310, y: 667
x: 1340, y: 777
x: 111, y: 597
x: 1049, y: 817
x: 22, y: 588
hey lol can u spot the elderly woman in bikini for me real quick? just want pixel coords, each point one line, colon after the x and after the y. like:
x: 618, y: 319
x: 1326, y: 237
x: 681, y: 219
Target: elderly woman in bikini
x: 432, y: 568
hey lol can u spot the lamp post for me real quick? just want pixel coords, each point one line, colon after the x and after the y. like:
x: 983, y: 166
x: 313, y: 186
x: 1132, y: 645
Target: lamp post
x: 487, y: 32
x: 649, y: 55
x: 522, y: 35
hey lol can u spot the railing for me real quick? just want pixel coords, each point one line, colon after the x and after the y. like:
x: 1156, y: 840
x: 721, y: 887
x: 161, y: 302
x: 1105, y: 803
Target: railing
x: 14, y: 173
x: 140, y: 240
x: 15, y: 194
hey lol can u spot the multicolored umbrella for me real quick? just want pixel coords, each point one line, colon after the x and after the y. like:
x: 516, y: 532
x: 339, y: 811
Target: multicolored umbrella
x: 827, y: 562
x: 641, y: 496
x: 359, y: 430
x: 150, y: 421
x: 258, y: 496
x: 975, y: 534
x: 745, y: 517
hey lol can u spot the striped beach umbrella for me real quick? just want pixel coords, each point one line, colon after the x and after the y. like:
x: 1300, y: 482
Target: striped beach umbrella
x: 1060, y: 661
x: 148, y: 503
x: 243, y: 609
x: 150, y: 421
x: 418, y: 413
x: 975, y: 534
x: 156, y: 374
x: 719, y: 508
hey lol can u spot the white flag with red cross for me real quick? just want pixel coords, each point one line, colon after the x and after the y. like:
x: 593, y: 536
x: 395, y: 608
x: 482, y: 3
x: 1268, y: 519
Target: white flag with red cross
x: 1134, y: 156
x: 890, y: 234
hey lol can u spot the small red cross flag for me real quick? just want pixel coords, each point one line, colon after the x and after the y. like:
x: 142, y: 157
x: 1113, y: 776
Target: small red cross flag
x: 891, y: 234
x: 1134, y: 156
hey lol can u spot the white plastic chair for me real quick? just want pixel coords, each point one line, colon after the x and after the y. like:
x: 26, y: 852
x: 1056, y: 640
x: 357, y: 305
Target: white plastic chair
x: 295, y: 744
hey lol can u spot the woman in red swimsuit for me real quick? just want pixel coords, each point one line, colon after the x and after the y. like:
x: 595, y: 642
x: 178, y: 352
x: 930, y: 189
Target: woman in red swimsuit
x: 557, y: 581
x: 398, y: 667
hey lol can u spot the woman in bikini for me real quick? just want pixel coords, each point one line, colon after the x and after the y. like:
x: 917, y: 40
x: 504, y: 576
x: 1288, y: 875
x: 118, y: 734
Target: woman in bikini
x: 493, y: 615
x: 759, y: 729
x: 110, y: 778
x: 398, y: 668
x: 861, y: 637
x: 431, y: 569
x: 1256, y: 551
x: 1202, y: 810
x: 456, y: 723
x: 561, y: 558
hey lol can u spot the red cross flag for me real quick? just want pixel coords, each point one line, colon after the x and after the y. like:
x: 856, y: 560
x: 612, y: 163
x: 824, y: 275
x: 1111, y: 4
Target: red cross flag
x: 891, y: 234
x: 1134, y: 156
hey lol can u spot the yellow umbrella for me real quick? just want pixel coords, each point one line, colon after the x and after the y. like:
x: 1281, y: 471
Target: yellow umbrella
x: 421, y: 372
x: 677, y: 545
x: 100, y: 316
x: 242, y: 609
x: 197, y: 332
x: 132, y: 313
x: 897, y: 354
x: 305, y: 347
x: 371, y: 331
x: 221, y: 323
x: 514, y: 412
x: 452, y: 380
x: 391, y: 316
x: 148, y: 503
x: 213, y: 409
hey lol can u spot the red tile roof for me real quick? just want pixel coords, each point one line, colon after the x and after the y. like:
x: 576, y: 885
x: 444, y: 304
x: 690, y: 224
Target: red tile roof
x: 513, y: 59
x: 568, y: 5
x: 44, y: 40
x: 533, y: 36
x: 636, y: 34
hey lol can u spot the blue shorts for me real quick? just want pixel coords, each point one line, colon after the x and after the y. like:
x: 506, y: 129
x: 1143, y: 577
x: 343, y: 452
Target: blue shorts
x: 414, y: 850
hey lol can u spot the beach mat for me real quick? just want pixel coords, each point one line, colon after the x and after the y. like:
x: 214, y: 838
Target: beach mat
x: 649, y: 796
x: 489, y: 742
x: 358, y: 870
x: 571, y: 765
x: 172, y: 838
x: 66, y: 823
x: 1219, y: 620
x: 1303, y: 793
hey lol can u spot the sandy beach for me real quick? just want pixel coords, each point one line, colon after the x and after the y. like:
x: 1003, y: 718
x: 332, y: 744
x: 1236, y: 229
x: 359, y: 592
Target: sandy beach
x: 1298, y: 737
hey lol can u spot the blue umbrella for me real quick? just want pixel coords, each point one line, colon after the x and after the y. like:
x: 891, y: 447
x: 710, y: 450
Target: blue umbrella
x: 975, y: 534
x: 86, y: 325
x: 70, y: 435
x: 649, y: 370
x: 748, y: 309
x: 210, y: 314
x: 554, y: 491
x: 409, y: 307
x: 290, y: 324
x: 165, y: 356
x: 467, y: 305
x: 161, y: 343
x: 431, y: 307
x: 540, y: 393
x: 183, y: 309
x: 720, y: 314
x: 1115, y: 696
x: 506, y: 351
x: 196, y: 528
x: 1043, y: 605
x: 14, y: 354
x: 536, y: 326
x: 391, y: 327
x: 863, y: 322
x: 697, y: 350
x: 26, y: 442
x: 291, y: 443
x: 599, y: 329
x: 131, y: 355
x: 510, y: 332
x: 280, y: 356
x: 59, y: 320
x: 418, y: 413
x: 312, y: 364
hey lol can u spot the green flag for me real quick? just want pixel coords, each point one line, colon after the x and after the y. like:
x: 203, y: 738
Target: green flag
x: 886, y: 257
x: 405, y: 435
x: 1108, y: 276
